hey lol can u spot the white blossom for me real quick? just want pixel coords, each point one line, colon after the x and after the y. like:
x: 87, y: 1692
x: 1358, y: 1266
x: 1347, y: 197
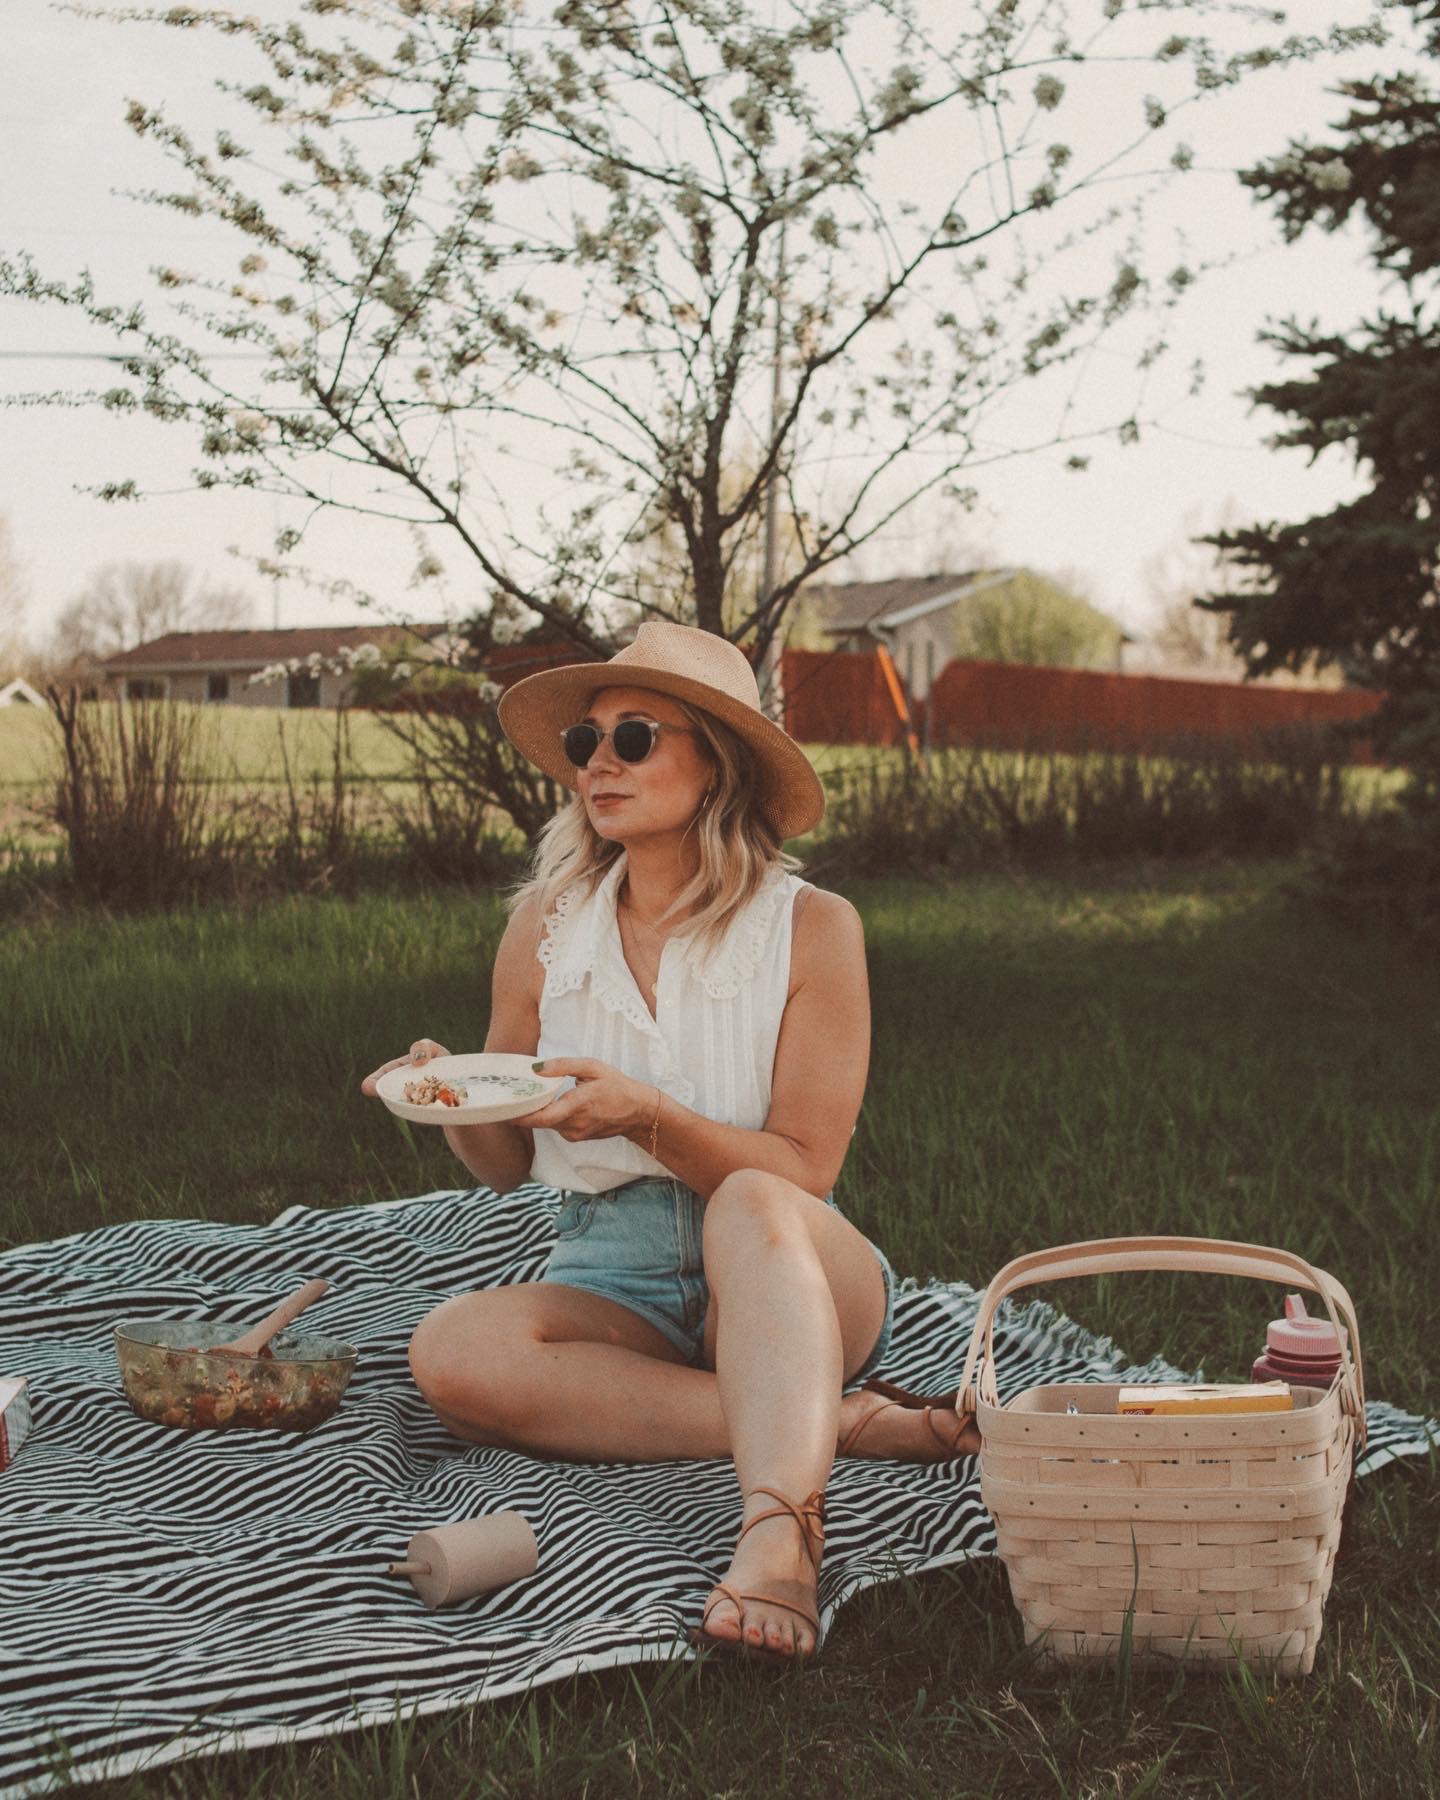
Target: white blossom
x: 503, y: 630
x: 1329, y: 177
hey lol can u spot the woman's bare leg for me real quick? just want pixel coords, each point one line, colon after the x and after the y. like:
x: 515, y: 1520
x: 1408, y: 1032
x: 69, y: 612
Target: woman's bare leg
x: 560, y: 1372
x: 798, y: 1302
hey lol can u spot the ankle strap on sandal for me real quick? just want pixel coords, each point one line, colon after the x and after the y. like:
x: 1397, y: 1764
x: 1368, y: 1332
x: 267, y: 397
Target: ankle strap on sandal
x: 809, y: 1515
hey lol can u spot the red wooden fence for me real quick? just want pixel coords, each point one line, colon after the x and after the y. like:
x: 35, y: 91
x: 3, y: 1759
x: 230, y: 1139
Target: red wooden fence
x: 839, y: 698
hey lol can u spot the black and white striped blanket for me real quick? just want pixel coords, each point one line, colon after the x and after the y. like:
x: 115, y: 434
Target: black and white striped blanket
x: 164, y: 1593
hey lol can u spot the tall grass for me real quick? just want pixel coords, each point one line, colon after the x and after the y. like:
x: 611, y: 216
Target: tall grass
x: 1055, y: 1056
x: 141, y: 826
x: 152, y: 815
x: 964, y: 808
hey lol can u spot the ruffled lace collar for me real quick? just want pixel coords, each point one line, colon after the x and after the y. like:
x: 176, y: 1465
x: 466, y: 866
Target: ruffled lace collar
x: 725, y: 969
x: 582, y: 941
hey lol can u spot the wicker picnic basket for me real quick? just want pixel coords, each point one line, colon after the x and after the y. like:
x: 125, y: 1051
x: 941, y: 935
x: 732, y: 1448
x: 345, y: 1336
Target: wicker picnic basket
x: 1201, y: 1537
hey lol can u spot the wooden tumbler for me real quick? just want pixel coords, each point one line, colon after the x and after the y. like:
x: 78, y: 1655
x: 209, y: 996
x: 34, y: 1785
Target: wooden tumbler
x: 450, y: 1563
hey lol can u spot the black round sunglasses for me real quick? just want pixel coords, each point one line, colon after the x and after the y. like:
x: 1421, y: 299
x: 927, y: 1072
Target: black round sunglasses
x: 632, y: 739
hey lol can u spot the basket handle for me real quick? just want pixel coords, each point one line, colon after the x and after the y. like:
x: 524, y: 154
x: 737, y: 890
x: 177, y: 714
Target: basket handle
x: 1203, y: 1256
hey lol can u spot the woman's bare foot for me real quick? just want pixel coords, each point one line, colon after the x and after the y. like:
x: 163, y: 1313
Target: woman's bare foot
x: 769, y: 1560
x: 903, y: 1432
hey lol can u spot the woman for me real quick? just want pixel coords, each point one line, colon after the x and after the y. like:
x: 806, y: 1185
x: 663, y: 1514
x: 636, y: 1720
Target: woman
x: 705, y: 1297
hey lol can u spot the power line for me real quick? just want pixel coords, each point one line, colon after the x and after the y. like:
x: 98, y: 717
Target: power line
x: 118, y: 356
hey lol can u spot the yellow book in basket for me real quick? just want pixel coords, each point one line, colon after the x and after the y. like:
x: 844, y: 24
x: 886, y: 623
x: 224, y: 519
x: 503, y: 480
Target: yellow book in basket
x: 1206, y: 1397
x: 1199, y: 1536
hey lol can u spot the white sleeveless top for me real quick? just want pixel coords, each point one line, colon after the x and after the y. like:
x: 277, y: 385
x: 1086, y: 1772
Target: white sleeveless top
x: 711, y: 1044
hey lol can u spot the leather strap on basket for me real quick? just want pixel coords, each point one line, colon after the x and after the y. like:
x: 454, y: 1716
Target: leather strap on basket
x: 1201, y: 1256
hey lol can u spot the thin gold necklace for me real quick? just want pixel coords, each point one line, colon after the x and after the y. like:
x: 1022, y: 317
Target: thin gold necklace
x: 637, y: 923
x: 644, y: 924
x: 648, y: 976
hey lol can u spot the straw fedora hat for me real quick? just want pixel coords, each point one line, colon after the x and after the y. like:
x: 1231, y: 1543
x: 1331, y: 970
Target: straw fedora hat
x: 695, y: 666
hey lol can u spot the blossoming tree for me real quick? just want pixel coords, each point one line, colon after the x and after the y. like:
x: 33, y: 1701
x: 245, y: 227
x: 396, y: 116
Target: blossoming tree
x: 646, y: 245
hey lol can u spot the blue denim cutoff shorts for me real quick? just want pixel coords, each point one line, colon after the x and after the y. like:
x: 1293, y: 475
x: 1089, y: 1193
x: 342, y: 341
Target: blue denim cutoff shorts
x: 639, y: 1244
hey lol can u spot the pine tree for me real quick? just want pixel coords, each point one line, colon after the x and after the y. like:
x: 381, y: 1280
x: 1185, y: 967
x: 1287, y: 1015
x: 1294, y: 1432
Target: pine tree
x: 1357, y: 586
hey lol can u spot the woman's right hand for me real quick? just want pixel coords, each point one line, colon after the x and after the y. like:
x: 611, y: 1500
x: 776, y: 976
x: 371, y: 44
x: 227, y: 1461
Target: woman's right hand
x: 420, y: 1053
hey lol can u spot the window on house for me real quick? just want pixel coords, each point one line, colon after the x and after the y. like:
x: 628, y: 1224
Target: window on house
x: 144, y: 687
x: 302, y: 690
x: 217, y: 687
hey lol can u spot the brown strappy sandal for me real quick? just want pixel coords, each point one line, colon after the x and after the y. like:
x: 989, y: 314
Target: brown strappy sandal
x: 810, y: 1517
x: 930, y: 1404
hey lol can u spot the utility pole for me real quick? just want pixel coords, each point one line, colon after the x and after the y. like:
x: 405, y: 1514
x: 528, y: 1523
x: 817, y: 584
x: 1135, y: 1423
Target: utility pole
x: 275, y: 553
x: 772, y: 699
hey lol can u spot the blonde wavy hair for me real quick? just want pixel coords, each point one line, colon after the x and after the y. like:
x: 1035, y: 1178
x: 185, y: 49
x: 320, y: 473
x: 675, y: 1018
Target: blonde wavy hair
x: 738, y: 845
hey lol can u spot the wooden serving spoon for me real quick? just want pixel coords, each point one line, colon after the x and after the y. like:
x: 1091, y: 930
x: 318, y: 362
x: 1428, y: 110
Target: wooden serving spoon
x: 257, y: 1338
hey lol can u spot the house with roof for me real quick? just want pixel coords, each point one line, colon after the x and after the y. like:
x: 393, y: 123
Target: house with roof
x: 926, y: 621
x: 219, y: 668
x: 19, y: 693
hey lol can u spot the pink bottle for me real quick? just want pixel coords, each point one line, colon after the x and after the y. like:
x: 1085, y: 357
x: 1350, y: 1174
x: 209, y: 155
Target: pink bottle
x: 1300, y: 1349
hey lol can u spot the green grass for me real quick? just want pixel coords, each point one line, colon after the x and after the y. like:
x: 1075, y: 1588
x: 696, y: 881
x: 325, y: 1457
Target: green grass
x: 1148, y: 1049
x: 244, y: 744
x: 242, y: 750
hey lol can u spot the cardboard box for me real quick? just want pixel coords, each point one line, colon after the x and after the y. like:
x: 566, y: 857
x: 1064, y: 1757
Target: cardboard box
x: 14, y: 1416
x: 1207, y: 1397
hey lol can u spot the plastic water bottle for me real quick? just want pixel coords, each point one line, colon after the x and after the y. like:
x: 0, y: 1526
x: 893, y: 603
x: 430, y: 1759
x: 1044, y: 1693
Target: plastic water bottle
x: 1307, y: 1353
x: 1299, y: 1349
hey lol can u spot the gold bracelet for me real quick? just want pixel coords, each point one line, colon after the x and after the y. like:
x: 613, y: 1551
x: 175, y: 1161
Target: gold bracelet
x: 655, y: 1125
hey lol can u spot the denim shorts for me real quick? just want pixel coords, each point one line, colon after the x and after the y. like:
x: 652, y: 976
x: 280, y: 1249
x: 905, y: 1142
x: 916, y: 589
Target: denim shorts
x: 639, y: 1244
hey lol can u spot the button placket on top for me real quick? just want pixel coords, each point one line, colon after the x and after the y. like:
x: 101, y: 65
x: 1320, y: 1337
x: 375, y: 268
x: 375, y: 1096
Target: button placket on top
x: 659, y: 1056
x: 662, y: 1062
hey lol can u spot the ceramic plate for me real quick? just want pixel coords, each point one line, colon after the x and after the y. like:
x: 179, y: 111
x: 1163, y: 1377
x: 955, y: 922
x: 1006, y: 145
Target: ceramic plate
x: 488, y: 1086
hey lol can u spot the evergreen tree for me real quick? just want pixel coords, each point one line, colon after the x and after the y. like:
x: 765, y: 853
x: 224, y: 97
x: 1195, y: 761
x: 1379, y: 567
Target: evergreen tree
x: 1357, y: 586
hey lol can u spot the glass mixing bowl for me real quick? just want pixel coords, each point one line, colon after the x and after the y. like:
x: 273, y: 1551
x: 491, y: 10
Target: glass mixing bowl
x: 173, y: 1375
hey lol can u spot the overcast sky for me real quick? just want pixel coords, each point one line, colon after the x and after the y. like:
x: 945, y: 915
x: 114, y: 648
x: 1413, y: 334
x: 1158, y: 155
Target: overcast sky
x: 66, y: 80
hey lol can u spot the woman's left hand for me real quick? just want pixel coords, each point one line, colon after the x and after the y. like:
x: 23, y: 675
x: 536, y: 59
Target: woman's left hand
x: 603, y: 1103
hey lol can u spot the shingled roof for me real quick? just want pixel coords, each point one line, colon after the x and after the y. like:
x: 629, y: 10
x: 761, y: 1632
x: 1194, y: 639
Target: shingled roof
x: 246, y: 649
x: 856, y: 605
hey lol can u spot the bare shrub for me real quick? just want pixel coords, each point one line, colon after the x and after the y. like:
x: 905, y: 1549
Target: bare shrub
x: 143, y: 823
x: 314, y: 837
x: 450, y: 834
x: 464, y: 767
x: 964, y: 808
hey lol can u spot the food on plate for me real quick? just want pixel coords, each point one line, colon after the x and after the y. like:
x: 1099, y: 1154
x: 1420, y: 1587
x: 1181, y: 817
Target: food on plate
x: 430, y: 1090
x: 435, y: 1090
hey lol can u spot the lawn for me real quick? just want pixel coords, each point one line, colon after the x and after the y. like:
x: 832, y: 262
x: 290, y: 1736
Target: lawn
x: 244, y: 744
x: 1152, y: 1049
